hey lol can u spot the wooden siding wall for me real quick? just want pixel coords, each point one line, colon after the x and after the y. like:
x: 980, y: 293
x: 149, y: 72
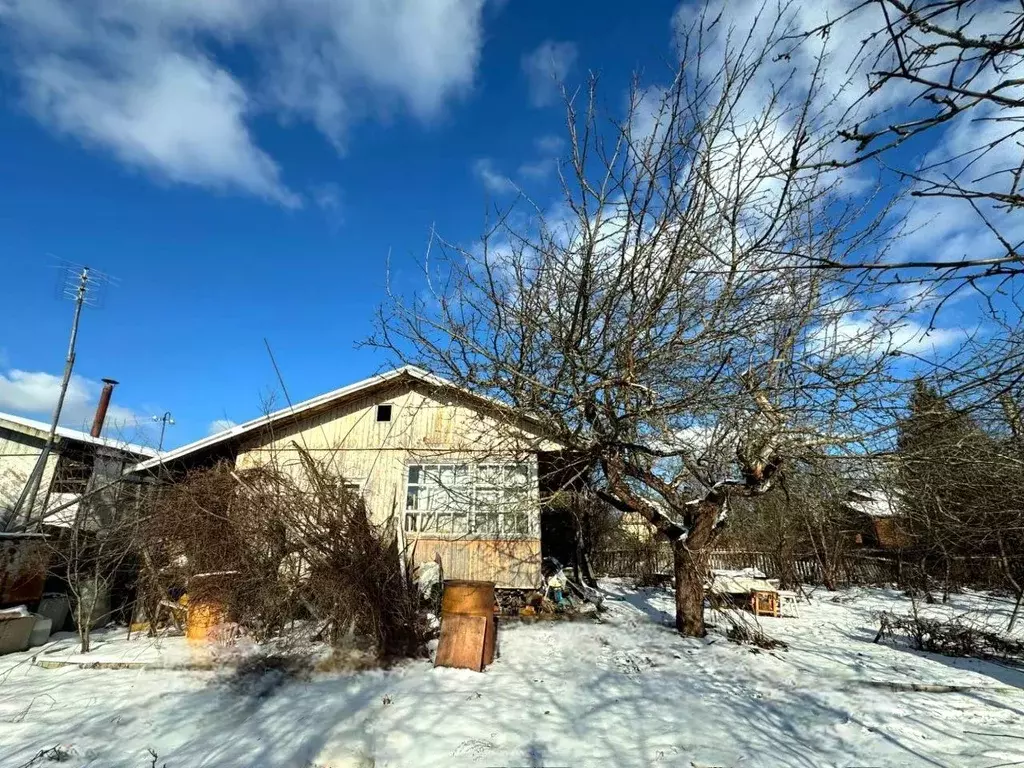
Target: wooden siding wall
x: 512, y: 563
x: 424, y: 427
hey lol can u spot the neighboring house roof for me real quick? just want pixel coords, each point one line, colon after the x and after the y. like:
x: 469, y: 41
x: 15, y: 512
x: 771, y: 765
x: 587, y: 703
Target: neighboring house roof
x: 41, y: 429
x: 873, y: 503
x: 326, y: 400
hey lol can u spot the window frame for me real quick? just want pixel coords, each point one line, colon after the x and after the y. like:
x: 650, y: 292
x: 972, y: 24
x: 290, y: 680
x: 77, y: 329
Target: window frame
x: 420, y: 519
x: 72, y: 473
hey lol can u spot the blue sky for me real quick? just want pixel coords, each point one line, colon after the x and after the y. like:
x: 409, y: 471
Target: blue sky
x: 244, y: 168
x: 207, y: 268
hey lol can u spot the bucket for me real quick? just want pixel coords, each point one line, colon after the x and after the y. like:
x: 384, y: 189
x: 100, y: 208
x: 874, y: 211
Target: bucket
x: 40, y: 631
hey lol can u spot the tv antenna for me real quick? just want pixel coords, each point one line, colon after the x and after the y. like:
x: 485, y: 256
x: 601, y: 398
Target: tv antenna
x: 84, y: 286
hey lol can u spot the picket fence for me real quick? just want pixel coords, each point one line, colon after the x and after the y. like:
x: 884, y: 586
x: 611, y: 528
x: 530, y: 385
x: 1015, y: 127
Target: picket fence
x: 853, y: 569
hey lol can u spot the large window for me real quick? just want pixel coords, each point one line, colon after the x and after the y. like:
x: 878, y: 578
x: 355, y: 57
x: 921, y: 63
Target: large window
x: 487, y: 500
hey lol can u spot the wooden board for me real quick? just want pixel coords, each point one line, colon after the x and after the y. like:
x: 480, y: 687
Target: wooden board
x: 463, y: 642
x: 489, y: 640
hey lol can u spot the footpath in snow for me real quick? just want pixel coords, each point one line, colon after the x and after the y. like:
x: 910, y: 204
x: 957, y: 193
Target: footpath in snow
x: 626, y: 691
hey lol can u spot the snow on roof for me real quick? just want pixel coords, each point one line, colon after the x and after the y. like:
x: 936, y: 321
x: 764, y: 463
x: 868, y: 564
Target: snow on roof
x: 20, y: 424
x: 873, y: 503
x: 328, y: 398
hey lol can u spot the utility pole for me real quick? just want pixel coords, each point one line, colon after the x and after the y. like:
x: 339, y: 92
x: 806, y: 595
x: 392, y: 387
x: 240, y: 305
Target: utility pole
x: 28, y: 495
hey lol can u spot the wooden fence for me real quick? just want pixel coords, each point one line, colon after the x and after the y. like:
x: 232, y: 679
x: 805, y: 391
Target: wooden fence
x: 859, y: 567
x: 645, y: 561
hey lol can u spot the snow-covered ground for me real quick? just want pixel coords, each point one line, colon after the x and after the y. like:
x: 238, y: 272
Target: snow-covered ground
x: 626, y: 691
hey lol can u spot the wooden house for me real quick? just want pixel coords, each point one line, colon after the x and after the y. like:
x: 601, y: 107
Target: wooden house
x: 455, y: 472
x: 77, y: 462
x: 877, y: 519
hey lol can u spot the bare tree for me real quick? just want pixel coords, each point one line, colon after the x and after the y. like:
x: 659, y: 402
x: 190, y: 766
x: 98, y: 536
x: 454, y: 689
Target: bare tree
x: 657, y: 322
x: 93, y: 545
x: 804, y: 520
x: 934, y: 70
x: 961, y: 496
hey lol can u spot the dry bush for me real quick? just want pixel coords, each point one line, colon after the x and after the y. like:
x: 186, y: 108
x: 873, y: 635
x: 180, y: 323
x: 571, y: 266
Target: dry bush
x: 951, y: 637
x: 284, y: 543
x: 743, y: 631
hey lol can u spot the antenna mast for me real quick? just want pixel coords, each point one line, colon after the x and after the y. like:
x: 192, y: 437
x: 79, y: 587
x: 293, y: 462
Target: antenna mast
x: 79, y: 289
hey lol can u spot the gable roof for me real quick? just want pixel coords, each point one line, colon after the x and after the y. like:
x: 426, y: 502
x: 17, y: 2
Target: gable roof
x: 872, y: 502
x: 31, y: 426
x: 326, y: 400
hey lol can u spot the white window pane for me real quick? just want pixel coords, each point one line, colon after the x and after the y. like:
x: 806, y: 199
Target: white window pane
x: 428, y: 521
x: 429, y: 498
x: 412, y: 498
x: 449, y: 499
x: 487, y: 499
x: 490, y: 474
x: 486, y: 522
x: 516, y: 523
x: 518, y: 475
x: 461, y: 500
x: 460, y: 523
x: 410, y: 522
x: 446, y: 473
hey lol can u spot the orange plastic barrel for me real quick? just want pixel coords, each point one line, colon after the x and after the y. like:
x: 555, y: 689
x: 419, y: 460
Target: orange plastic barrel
x: 207, y: 603
x: 202, y: 616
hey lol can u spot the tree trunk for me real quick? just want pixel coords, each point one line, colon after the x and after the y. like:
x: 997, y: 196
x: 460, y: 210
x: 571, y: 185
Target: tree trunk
x: 581, y: 566
x: 83, y: 617
x: 1018, y: 588
x: 689, y: 591
x: 1016, y: 610
x: 690, y: 560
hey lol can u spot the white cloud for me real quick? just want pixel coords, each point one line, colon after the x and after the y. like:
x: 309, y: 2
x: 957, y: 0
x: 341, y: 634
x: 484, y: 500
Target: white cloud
x: 549, y: 144
x: 493, y: 180
x: 180, y: 117
x: 220, y: 425
x: 137, y: 77
x: 34, y: 394
x: 649, y: 118
x: 861, y: 334
x: 327, y: 196
x: 548, y: 147
x: 546, y: 68
x: 538, y: 169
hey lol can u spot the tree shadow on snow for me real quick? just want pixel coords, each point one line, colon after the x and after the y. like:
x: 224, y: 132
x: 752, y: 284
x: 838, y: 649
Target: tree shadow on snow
x: 641, y: 600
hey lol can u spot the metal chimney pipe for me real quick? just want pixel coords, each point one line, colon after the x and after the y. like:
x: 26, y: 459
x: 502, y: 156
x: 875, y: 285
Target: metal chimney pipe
x: 101, y: 407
